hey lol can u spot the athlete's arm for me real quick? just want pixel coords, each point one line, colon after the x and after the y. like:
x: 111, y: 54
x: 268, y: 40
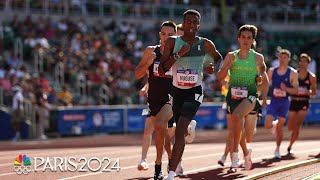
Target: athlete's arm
x: 313, y: 84
x: 261, y: 69
x: 270, y: 73
x: 167, y: 60
x: 144, y: 91
x: 294, y: 83
x: 226, y: 65
x: 145, y: 62
x: 210, y: 48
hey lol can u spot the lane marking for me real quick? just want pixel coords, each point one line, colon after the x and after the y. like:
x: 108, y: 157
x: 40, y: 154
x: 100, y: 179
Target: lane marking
x: 282, y: 168
x: 191, y: 171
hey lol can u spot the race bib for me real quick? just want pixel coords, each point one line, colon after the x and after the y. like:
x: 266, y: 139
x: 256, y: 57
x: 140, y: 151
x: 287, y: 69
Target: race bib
x: 156, y: 73
x: 239, y: 93
x: 187, y: 77
x: 302, y: 91
x: 278, y: 93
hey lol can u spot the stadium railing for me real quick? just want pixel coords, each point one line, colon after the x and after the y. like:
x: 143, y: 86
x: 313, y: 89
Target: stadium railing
x: 110, y: 8
x: 273, y: 14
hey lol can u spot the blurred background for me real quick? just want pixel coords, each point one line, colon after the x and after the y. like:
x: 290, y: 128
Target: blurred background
x: 74, y: 60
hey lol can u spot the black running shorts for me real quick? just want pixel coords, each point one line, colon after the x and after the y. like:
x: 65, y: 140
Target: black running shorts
x: 299, y: 105
x: 186, y: 102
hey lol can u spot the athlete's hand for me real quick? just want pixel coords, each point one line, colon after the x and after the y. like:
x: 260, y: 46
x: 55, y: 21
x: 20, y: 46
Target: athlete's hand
x: 210, y: 68
x: 283, y: 87
x: 143, y: 92
x: 230, y: 61
x: 264, y: 104
x: 184, y: 50
x: 151, y: 57
x: 259, y: 79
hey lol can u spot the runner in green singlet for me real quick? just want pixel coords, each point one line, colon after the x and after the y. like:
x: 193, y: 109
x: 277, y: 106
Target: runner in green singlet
x: 244, y: 65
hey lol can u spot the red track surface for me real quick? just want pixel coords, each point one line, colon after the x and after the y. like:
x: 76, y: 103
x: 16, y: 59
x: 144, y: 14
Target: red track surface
x: 199, y: 159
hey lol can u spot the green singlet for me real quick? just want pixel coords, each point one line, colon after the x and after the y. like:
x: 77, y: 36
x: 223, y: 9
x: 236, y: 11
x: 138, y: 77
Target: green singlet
x: 242, y: 84
x: 188, y: 70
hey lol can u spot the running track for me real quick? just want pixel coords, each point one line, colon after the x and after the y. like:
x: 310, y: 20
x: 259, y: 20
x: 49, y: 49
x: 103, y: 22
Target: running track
x: 199, y: 161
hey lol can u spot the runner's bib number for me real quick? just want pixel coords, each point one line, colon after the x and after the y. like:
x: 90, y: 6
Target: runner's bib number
x: 278, y: 93
x: 239, y: 93
x: 188, y: 78
x: 156, y: 73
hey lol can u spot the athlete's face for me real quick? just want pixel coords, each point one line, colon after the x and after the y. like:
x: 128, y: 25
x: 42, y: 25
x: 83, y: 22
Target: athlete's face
x: 284, y: 59
x: 165, y: 32
x: 303, y: 63
x: 180, y: 32
x: 191, y: 24
x: 245, y: 40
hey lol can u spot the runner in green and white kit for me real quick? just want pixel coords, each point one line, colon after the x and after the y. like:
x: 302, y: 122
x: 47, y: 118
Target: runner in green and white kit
x: 186, y: 56
x: 245, y: 65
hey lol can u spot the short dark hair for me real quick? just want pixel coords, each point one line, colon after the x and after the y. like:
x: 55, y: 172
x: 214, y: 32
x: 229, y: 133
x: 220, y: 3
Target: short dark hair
x: 285, y: 51
x: 180, y: 27
x: 247, y: 27
x: 305, y: 55
x: 192, y: 12
x: 170, y: 24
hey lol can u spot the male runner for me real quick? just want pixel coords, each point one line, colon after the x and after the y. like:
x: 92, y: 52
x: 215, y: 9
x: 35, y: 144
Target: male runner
x: 244, y: 66
x: 284, y: 81
x: 299, y: 103
x: 186, y: 54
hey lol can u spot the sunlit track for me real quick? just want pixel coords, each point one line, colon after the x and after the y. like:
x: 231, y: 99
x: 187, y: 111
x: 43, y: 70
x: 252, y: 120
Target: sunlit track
x: 198, y: 160
x: 209, y: 147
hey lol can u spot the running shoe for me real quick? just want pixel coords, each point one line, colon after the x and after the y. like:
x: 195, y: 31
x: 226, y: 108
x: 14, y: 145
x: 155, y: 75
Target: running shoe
x: 179, y: 170
x: 235, y: 162
x: 158, y: 172
x: 277, y: 154
x: 248, y: 161
x: 142, y: 166
x: 191, y: 134
x: 222, y: 160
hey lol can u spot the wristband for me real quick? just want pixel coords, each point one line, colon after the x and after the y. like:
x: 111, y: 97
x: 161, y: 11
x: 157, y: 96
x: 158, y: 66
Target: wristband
x: 176, y: 56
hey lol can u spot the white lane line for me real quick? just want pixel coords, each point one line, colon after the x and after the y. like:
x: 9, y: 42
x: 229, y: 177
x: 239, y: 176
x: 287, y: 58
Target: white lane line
x: 75, y: 151
x: 187, y: 158
x: 6, y: 174
x: 128, y: 157
x: 253, y: 159
x: 191, y: 171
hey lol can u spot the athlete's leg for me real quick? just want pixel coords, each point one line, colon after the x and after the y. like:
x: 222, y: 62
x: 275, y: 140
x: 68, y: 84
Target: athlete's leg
x: 279, y: 131
x: 271, y: 113
x: 292, y: 119
x: 147, y: 137
x: 179, y: 144
x: 237, y: 117
x: 188, y: 108
x: 247, y: 136
x: 168, y: 136
x: 160, y: 125
x: 229, y: 141
x: 230, y: 136
x: 146, y: 142
x: 299, y: 118
x: 268, y: 123
x: 250, y: 126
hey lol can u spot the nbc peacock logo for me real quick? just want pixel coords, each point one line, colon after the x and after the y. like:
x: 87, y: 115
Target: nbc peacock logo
x: 22, y: 164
